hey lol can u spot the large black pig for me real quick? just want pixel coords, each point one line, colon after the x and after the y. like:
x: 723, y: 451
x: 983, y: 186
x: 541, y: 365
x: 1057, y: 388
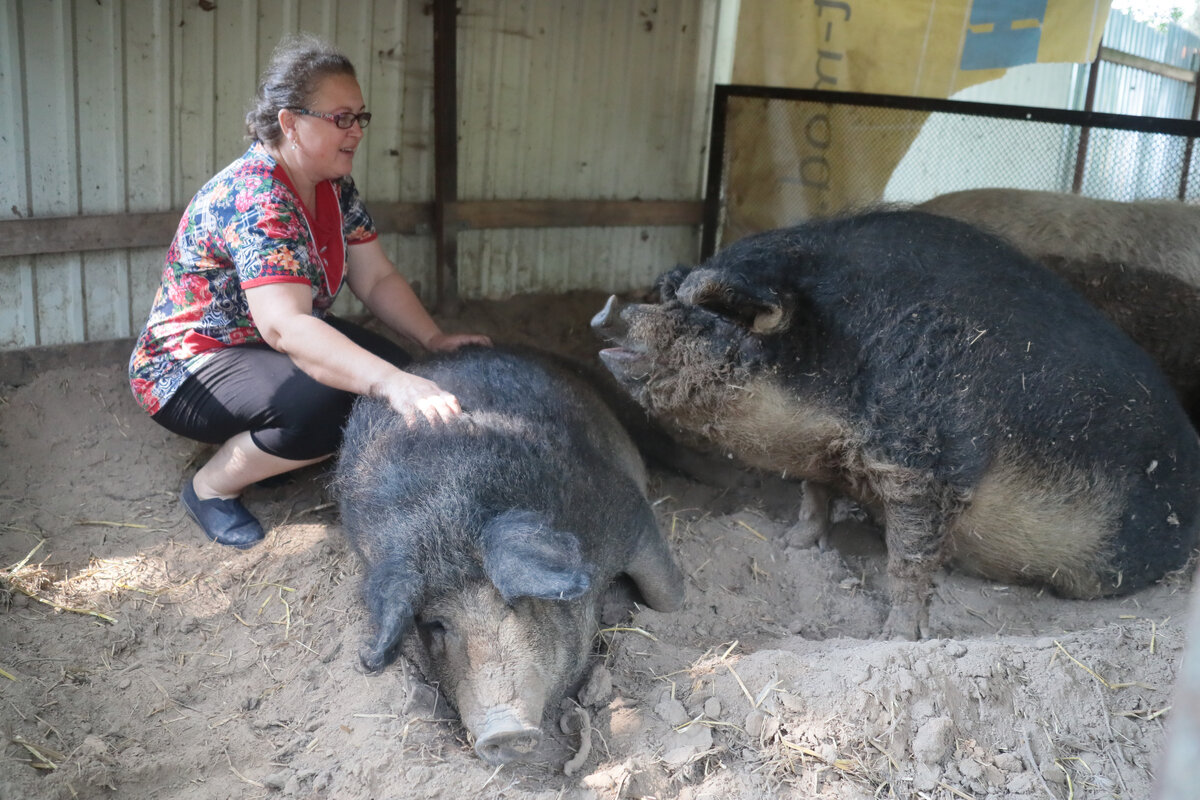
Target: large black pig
x: 494, y: 534
x: 989, y: 415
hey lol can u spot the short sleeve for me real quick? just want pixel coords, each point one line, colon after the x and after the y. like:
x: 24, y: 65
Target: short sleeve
x: 357, y: 225
x: 268, y: 236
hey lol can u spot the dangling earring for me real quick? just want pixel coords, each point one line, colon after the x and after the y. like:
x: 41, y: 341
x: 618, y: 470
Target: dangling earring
x: 293, y: 141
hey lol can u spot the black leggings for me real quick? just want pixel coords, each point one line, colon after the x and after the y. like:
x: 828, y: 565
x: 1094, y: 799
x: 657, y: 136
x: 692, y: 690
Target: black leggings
x: 254, y: 388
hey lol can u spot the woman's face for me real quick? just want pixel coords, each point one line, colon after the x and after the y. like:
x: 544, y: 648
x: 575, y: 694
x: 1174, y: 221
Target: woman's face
x: 323, y: 150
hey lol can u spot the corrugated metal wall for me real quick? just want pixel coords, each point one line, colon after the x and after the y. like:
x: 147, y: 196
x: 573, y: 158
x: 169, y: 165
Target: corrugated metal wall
x: 1126, y: 90
x: 110, y: 106
x: 1133, y: 167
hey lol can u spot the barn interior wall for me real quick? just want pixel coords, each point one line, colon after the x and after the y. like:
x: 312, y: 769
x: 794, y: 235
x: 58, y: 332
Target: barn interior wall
x: 605, y: 101
x: 117, y: 106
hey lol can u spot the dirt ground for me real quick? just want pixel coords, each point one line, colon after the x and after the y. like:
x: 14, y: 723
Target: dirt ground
x: 139, y: 660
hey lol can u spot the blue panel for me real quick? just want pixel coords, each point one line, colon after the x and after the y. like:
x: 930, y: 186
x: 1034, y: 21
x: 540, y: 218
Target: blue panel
x: 1005, y: 12
x: 1003, y: 46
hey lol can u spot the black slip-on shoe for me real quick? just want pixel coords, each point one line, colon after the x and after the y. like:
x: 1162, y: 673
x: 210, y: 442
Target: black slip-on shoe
x: 226, y: 522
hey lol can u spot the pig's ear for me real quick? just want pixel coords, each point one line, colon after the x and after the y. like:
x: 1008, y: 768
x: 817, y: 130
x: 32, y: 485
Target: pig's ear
x: 667, y: 283
x: 761, y: 309
x: 391, y: 591
x: 525, y: 557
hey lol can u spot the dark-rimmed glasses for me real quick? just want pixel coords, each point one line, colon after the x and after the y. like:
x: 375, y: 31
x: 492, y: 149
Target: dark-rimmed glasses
x: 342, y: 119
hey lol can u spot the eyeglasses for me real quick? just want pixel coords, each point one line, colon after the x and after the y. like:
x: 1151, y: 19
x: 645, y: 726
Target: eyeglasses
x: 343, y: 120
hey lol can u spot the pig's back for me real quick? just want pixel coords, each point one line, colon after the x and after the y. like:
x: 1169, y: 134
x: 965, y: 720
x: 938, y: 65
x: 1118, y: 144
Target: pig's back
x: 533, y: 435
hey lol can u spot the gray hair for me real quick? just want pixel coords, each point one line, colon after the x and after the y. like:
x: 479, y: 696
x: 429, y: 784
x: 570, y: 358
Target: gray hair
x: 298, y: 65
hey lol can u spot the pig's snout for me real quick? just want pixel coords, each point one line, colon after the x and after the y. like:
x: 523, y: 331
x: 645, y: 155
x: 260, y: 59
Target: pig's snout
x: 623, y: 359
x: 504, y: 737
x: 608, y: 320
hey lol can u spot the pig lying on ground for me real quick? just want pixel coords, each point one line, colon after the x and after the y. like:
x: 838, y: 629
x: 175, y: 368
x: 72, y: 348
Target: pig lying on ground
x: 989, y: 415
x: 494, y: 534
x: 1138, y: 262
x: 1162, y: 236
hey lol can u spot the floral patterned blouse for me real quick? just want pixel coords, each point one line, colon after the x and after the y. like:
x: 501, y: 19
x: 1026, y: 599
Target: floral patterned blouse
x: 244, y: 228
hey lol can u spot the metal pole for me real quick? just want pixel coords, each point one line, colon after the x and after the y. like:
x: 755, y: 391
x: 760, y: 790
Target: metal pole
x: 1085, y: 132
x: 1187, y: 148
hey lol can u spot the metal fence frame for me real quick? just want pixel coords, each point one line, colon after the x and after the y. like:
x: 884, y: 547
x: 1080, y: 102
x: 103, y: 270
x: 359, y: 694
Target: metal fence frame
x: 1085, y: 120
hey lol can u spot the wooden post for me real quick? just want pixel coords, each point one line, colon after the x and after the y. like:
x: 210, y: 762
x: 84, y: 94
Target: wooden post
x: 445, y: 148
x: 716, y: 169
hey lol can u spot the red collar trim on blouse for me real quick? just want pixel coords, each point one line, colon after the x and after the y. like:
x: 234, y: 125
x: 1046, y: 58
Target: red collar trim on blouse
x: 325, y: 226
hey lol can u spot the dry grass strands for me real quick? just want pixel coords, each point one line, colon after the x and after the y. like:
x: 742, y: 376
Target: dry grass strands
x: 1103, y: 682
x: 789, y: 761
x: 43, y: 757
x: 31, y: 579
x: 623, y: 629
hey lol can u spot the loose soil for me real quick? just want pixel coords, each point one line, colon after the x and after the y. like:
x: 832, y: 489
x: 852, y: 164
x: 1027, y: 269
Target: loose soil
x: 139, y: 660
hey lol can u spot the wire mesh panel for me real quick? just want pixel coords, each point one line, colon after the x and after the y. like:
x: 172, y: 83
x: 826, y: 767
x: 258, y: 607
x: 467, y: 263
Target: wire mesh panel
x: 780, y: 156
x: 953, y: 152
x: 1136, y: 165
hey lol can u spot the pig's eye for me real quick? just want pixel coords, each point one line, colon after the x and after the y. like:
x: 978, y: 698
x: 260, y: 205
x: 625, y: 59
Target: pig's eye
x: 432, y: 627
x: 741, y: 313
x: 433, y: 635
x: 724, y: 301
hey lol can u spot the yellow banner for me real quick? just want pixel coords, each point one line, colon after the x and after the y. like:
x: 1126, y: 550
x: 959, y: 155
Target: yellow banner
x: 925, y: 48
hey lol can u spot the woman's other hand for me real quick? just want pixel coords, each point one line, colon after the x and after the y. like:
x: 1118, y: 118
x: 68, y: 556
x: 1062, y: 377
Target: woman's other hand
x: 442, y: 342
x: 375, y: 281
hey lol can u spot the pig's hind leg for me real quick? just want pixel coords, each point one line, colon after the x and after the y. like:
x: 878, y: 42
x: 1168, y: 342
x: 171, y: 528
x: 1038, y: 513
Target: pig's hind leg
x: 916, y: 535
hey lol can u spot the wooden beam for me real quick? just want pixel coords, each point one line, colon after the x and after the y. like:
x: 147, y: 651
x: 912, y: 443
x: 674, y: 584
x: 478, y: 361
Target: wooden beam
x: 43, y: 235
x: 406, y: 218
x: 39, y: 235
x: 1147, y: 65
x: 483, y: 214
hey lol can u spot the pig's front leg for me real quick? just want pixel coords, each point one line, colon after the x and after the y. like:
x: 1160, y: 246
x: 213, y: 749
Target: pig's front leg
x: 812, y: 523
